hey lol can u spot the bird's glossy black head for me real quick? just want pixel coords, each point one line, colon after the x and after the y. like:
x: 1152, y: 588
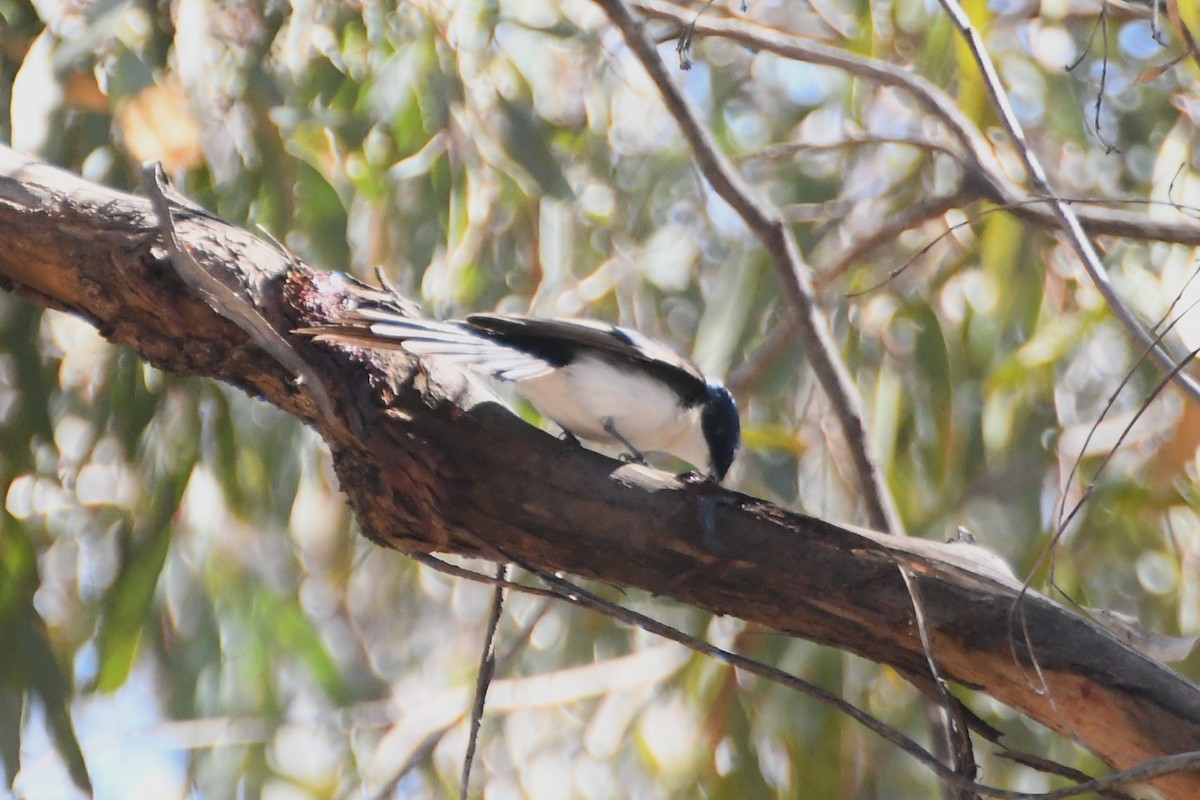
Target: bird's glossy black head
x: 722, y: 430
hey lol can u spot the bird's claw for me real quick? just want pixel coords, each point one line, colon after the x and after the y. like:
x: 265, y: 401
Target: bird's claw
x: 632, y: 454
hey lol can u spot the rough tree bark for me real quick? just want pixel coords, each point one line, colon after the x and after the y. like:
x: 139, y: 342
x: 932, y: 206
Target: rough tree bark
x: 430, y: 464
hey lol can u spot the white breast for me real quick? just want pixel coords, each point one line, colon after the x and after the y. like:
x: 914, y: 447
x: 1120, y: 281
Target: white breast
x: 581, y: 395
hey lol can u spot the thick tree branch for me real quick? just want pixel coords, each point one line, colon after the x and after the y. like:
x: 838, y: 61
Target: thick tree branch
x: 440, y: 467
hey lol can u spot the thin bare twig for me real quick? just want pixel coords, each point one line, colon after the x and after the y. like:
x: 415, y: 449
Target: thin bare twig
x: 1011, y: 209
x: 1101, y: 25
x: 1080, y: 243
x: 778, y: 338
x: 1068, y: 220
x: 985, y: 175
x: 487, y: 670
x: 1175, y: 301
x: 1064, y: 519
x: 500, y: 582
x: 576, y: 595
x: 916, y: 214
x: 986, y: 170
x: 772, y: 230
x: 1162, y: 384
x: 852, y: 140
x: 776, y: 237
x: 959, y: 751
x: 1049, y: 551
x: 1054, y: 768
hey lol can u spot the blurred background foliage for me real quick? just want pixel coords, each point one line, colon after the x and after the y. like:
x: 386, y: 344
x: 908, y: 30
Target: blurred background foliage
x: 184, y: 602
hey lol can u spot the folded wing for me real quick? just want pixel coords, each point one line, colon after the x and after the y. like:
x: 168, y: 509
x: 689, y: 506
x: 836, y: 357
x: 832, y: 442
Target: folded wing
x: 558, y: 341
x: 454, y: 342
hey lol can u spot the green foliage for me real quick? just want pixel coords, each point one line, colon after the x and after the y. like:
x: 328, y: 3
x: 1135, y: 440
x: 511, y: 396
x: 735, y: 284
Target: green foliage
x: 130, y: 604
x: 174, y: 540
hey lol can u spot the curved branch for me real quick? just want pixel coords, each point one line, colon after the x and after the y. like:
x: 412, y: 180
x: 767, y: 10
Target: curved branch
x: 440, y: 466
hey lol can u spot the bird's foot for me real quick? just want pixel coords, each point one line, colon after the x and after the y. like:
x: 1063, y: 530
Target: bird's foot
x: 567, y: 436
x: 632, y: 454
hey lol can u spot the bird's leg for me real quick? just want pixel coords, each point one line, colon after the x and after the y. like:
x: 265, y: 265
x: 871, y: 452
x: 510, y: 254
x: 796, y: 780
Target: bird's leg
x: 567, y: 436
x: 634, y: 454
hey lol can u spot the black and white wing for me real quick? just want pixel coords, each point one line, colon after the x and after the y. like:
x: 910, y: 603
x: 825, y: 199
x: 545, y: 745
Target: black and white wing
x: 454, y: 341
x: 599, y: 382
x: 559, y: 341
x: 514, y: 347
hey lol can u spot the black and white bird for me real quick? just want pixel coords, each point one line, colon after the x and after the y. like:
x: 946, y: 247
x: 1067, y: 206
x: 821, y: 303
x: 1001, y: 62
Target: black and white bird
x: 598, y: 382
